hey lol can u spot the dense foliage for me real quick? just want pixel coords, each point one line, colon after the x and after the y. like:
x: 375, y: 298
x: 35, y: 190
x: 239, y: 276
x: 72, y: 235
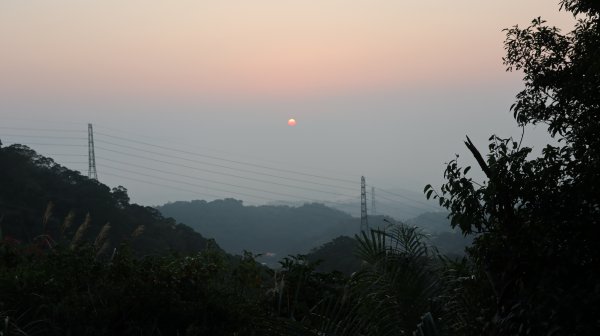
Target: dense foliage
x: 66, y: 292
x: 537, y: 220
x: 63, y: 290
x: 40, y: 199
x: 337, y: 255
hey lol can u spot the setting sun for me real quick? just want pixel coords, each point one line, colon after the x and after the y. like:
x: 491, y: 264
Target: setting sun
x: 292, y: 122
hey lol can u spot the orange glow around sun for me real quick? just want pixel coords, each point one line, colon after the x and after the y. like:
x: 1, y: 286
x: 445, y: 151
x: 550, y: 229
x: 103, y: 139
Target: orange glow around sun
x: 292, y: 122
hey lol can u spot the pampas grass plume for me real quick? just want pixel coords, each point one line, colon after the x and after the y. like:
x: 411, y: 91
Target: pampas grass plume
x: 81, y: 231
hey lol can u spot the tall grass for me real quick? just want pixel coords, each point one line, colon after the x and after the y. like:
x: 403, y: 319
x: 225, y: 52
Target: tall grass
x: 81, y: 232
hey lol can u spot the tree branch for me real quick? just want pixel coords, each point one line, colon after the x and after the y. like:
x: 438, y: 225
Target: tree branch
x: 478, y: 157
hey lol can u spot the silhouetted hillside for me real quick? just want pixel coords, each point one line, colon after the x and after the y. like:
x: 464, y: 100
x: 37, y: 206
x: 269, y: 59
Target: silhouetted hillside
x: 43, y: 201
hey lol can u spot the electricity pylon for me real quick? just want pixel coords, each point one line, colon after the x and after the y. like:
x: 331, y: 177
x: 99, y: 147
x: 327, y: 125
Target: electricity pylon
x: 364, y: 221
x: 91, y: 156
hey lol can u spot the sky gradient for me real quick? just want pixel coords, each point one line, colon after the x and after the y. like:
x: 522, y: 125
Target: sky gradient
x: 383, y: 88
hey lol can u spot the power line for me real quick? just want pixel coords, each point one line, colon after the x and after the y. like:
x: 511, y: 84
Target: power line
x: 373, y: 212
x: 206, y: 163
x: 188, y: 183
x: 149, y: 144
x: 42, y: 129
x: 187, y: 152
x: 221, y: 173
x: 429, y: 207
x: 44, y: 144
x: 64, y: 163
x: 212, y: 149
x: 41, y: 136
x: 228, y: 160
x: 405, y: 204
x: 232, y: 175
x: 405, y: 197
x: 66, y: 155
x: 207, y: 180
x: 160, y: 185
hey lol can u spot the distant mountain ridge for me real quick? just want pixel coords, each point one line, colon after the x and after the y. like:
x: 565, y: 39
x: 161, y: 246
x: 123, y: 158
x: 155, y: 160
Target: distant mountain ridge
x: 279, y: 230
x: 274, y: 229
x: 401, y: 209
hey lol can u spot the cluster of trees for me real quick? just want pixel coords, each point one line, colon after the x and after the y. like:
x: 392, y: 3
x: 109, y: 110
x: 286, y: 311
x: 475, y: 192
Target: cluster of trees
x: 536, y: 221
x: 43, y: 201
x: 66, y: 291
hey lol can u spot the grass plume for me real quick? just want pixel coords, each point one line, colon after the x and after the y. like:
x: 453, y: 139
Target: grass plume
x: 81, y: 231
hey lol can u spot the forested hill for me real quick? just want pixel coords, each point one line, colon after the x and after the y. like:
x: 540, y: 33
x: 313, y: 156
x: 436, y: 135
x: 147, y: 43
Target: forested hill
x: 278, y: 229
x: 45, y: 202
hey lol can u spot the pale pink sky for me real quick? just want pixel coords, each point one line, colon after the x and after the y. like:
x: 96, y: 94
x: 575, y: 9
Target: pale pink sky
x: 265, y: 47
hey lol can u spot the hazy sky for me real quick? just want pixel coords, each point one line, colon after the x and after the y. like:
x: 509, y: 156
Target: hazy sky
x: 383, y: 88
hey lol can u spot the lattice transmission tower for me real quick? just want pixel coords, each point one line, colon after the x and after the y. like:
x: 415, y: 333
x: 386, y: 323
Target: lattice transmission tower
x: 91, y: 156
x: 364, y: 221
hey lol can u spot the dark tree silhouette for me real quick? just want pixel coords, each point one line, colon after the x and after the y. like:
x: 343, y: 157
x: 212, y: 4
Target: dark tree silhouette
x: 536, y: 220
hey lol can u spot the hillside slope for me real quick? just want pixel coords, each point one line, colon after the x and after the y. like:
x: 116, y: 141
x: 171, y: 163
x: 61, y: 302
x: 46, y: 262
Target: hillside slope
x: 41, y: 200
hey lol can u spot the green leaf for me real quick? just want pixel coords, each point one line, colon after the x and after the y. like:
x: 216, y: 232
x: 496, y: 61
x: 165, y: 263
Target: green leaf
x: 429, y: 193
